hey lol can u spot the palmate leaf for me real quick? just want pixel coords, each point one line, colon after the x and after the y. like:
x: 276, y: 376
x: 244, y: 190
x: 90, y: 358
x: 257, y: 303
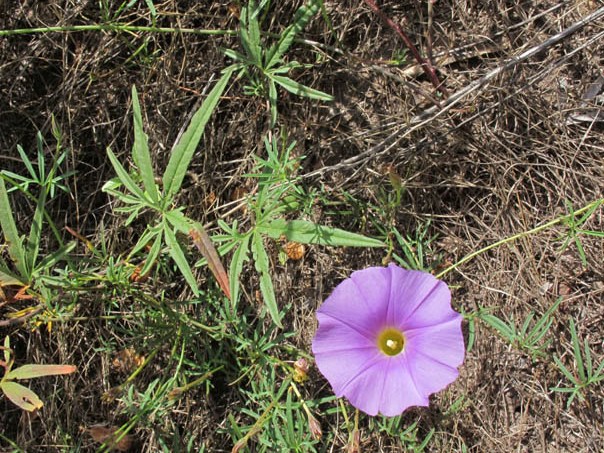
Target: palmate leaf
x: 34, y: 371
x: 266, y: 285
x: 11, y: 235
x: 140, y: 150
x: 21, y: 396
x: 184, y: 149
x: 307, y: 232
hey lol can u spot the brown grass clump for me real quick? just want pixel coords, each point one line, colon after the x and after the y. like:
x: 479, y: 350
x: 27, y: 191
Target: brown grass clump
x: 505, y: 157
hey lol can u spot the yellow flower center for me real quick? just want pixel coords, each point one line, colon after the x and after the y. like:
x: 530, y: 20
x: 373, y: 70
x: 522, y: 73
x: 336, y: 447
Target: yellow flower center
x: 391, y: 341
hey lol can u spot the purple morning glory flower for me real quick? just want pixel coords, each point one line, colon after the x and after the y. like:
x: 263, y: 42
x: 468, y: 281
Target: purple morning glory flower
x: 388, y: 338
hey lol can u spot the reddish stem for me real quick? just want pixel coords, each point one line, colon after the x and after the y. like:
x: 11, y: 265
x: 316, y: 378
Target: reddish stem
x: 424, y: 63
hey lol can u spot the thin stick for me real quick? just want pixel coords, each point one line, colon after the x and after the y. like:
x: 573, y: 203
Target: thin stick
x: 433, y: 112
x: 424, y: 63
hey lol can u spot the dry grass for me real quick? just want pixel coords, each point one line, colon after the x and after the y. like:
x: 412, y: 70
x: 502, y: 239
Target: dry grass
x: 499, y: 162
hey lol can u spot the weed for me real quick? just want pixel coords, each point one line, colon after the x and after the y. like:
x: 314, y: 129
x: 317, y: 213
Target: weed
x: 268, y: 206
x: 264, y: 66
x: 529, y: 335
x: 586, y: 375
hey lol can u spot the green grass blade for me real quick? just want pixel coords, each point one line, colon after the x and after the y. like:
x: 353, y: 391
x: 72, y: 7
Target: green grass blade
x: 140, y: 150
x: 565, y: 370
x: 179, y: 258
x: 266, y: 285
x: 124, y: 177
x: 11, y: 235
x: 310, y: 233
x: 183, y: 151
x: 299, y: 89
x: 240, y: 256
x: 32, y: 247
x: 301, y: 18
x: 576, y: 343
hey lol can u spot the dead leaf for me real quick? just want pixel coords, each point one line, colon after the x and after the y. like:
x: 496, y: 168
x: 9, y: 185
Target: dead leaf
x: 204, y: 244
x: 110, y: 436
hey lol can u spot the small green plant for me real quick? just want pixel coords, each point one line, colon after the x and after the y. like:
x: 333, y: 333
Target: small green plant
x: 574, y: 225
x: 26, y: 268
x: 170, y: 219
x: 529, y: 335
x: 586, y: 375
x: 264, y: 67
x: 22, y: 396
x: 268, y: 207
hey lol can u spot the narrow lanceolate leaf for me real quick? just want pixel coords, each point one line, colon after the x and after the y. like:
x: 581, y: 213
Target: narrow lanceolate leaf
x: 299, y: 89
x: 204, y: 244
x: 34, y: 371
x: 311, y: 233
x: 272, y: 98
x: 140, y: 150
x: 11, y: 235
x: 32, y: 247
x: 301, y: 18
x: 21, y: 396
x: 153, y: 254
x: 266, y: 285
x: 184, y: 149
x: 240, y: 256
x: 124, y: 177
x: 179, y: 258
x: 7, y: 279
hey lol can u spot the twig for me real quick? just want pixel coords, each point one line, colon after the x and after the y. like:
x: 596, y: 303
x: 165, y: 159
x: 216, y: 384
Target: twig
x: 424, y: 63
x: 433, y: 112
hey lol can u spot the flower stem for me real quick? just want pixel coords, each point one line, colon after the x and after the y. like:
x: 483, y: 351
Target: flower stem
x: 594, y: 204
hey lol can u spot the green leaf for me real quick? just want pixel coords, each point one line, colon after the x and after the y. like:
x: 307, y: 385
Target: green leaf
x: 21, y: 396
x: 50, y: 260
x: 11, y: 235
x: 499, y: 325
x: 310, y: 233
x: 153, y: 254
x: 183, y: 151
x: 179, y: 258
x: 179, y: 221
x: 266, y: 285
x: 34, y: 371
x: 272, y: 99
x: 140, y: 150
x: 124, y: 177
x: 301, y: 18
x: 32, y: 247
x: 299, y: 89
x: 8, y: 279
x: 240, y: 256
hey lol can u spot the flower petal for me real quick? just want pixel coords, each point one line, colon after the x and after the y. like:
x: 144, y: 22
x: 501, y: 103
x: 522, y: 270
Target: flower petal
x: 361, y: 300
x: 385, y: 386
x: 443, y: 343
x: 335, y: 335
x: 410, y: 291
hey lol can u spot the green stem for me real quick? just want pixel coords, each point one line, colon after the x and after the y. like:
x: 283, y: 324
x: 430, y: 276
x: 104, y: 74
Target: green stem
x: 114, y: 27
x: 538, y: 229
